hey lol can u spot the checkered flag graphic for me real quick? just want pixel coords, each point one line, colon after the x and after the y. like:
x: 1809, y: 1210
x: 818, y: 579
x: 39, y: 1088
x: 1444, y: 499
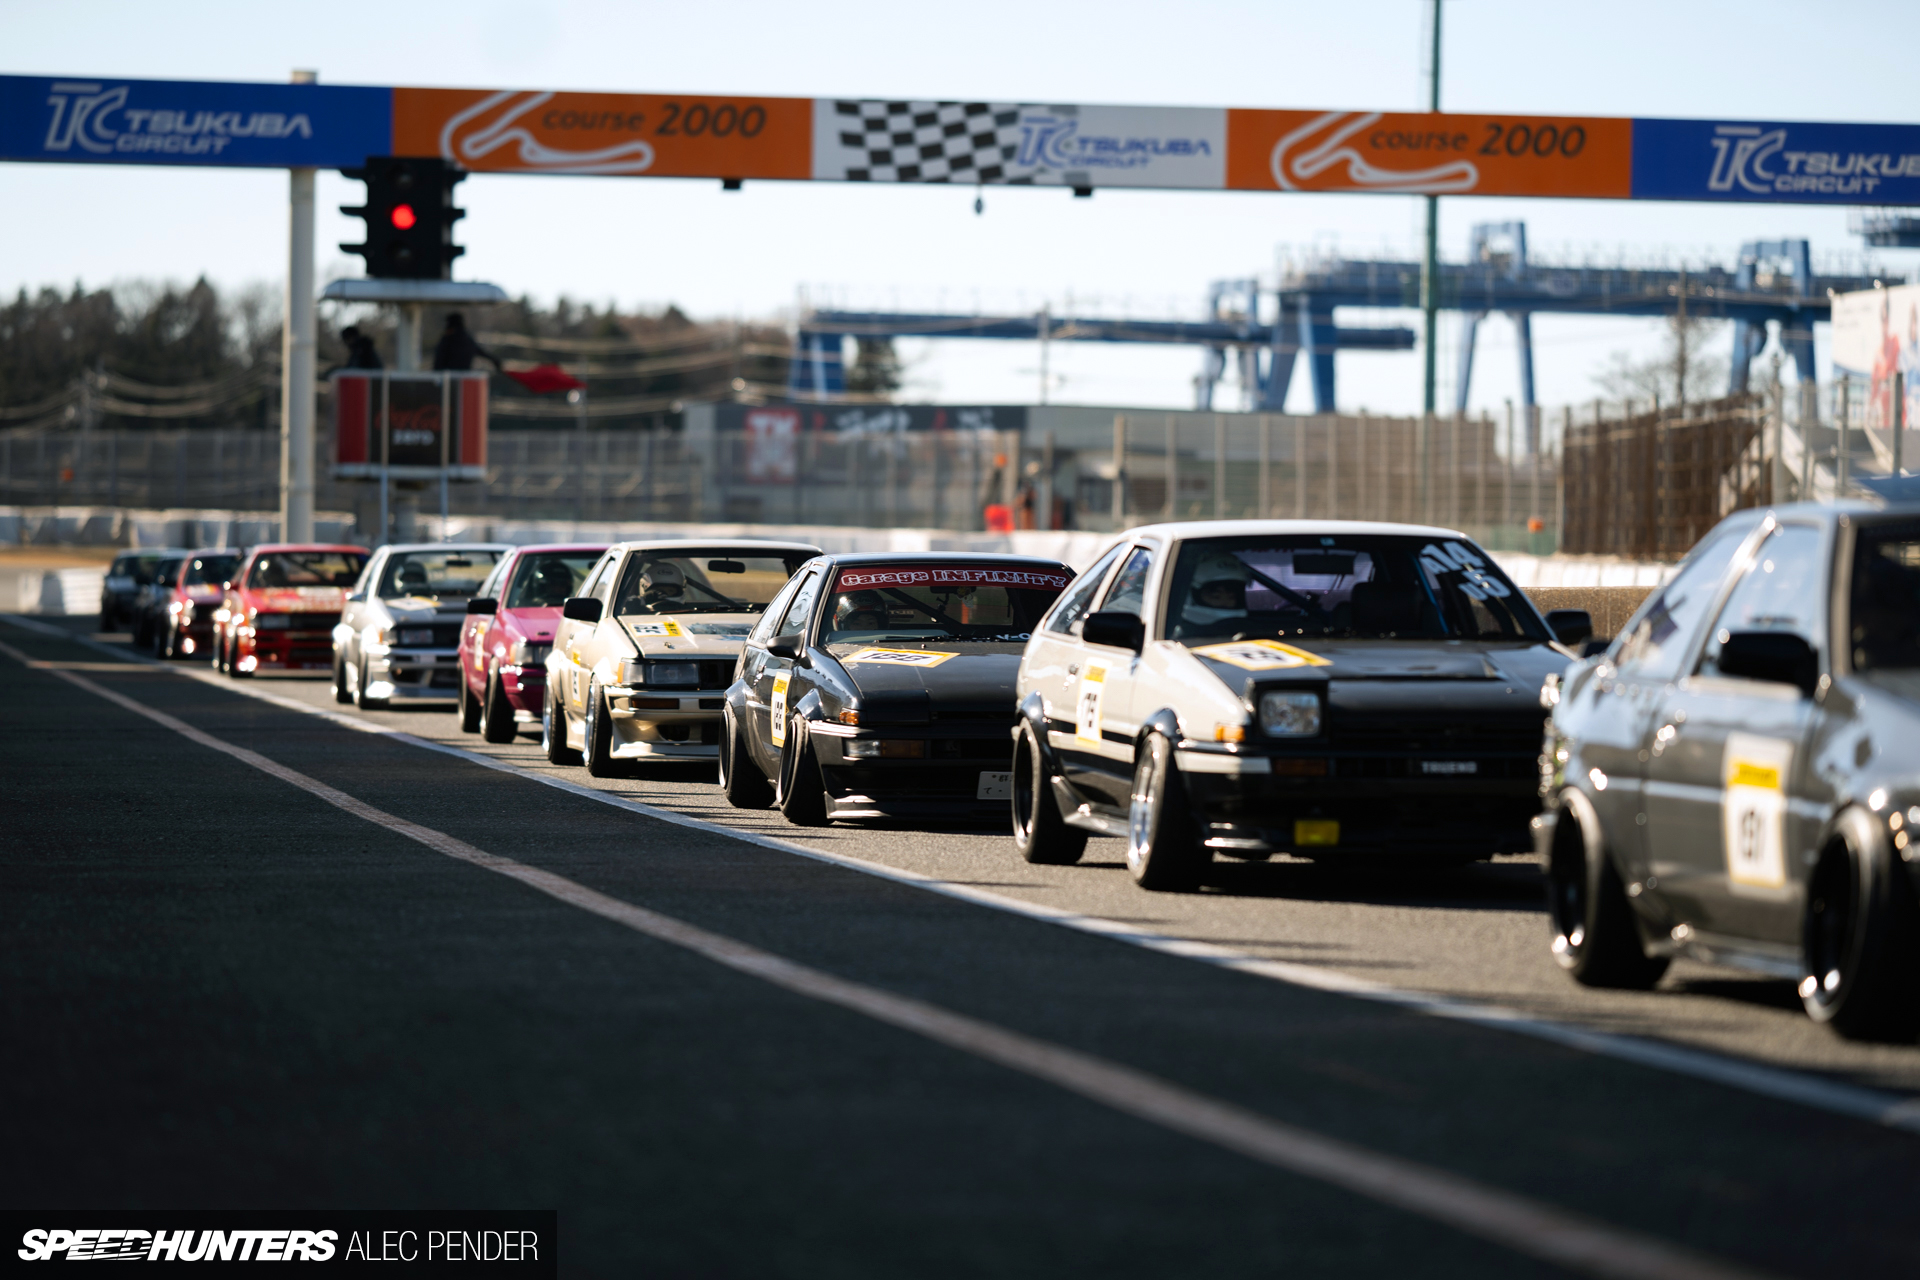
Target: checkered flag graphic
x: 928, y: 141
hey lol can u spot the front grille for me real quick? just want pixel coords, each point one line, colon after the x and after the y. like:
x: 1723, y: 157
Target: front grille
x: 1004, y: 711
x: 1411, y: 733
x: 716, y: 673
x: 1402, y: 767
x: 973, y: 749
x: 445, y: 678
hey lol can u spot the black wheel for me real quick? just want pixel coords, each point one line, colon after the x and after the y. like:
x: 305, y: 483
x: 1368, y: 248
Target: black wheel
x: 1163, y: 842
x: 220, y: 653
x: 599, y: 735
x: 1594, y: 935
x: 342, y: 691
x: 496, y: 713
x: 553, y: 731
x: 362, y: 682
x: 161, y: 649
x: 1858, y: 941
x: 469, y: 708
x: 803, y: 796
x: 740, y: 778
x: 1038, y: 831
x: 106, y: 619
x: 143, y: 632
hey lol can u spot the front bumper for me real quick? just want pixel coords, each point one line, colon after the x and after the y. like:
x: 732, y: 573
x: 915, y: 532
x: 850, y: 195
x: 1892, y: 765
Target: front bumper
x: 664, y: 724
x: 287, y: 649
x: 1333, y: 803
x: 966, y: 771
x: 414, y: 675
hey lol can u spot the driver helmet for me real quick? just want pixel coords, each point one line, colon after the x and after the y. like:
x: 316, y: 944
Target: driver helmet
x: 662, y: 580
x: 551, y: 583
x: 1219, y: 588
x: 859, y: 611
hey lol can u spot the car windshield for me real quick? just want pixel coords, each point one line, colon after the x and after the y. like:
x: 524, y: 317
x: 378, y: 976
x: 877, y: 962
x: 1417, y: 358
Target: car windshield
x: 1366, y: 586
x: 437, y: 575
x: 547, y: 579
x: 307, y: 569
x: 715, y: 580
x: 211, y: 571
x: 1885, y: 618
x: 140, y: 568
x: 915, y: 604
x: 167, y: 572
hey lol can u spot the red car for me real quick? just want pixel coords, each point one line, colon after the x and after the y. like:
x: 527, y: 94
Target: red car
x: 509, y: 628
x: 183, y: 621
x: 282, y: 606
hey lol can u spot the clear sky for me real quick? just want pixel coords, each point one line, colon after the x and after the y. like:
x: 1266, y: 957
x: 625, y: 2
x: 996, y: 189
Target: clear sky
x: 646, y: 242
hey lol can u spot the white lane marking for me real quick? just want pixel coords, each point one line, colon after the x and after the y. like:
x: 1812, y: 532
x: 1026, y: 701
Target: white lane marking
x: 1525, y: 1226
x: 1895, y: 1111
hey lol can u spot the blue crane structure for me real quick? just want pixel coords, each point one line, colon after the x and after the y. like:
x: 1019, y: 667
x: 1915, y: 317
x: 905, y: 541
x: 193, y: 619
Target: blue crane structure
x: 1771, y: 282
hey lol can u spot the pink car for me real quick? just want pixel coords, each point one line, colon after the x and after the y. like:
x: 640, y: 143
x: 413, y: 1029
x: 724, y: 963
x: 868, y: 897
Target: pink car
x: 509, y: 628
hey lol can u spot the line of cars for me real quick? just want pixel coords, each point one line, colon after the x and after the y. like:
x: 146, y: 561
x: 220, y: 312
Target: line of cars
x: 1735, y: 777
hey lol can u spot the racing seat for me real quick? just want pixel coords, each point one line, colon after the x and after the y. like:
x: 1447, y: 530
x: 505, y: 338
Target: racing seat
x: 412, y: 577
x: 550, y: 585
x: 1386, y: 606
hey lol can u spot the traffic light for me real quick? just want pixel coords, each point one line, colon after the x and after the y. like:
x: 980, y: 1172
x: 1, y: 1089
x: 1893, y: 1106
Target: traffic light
x: 410, y: 216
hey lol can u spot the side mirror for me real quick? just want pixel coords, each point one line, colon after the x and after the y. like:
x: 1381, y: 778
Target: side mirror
x: 483, y: 604
x: 1595, y: 647
x: 1570, y: 626
x: 1115, y: 630
x: 581, y: 609
x: 781, y: 649
x: 1778, y: 657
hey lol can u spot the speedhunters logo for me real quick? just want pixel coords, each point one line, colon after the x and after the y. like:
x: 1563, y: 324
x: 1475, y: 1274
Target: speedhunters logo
x: 525, y: 1242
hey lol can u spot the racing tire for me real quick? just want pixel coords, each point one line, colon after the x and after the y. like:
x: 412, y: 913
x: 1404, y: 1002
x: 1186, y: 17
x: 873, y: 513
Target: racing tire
x: 803, y: 794
x: 143, y: 633
x: 106, y: 620
x: 1164, y: 851
x: 1595, y: 938
x: 599, y: 736
x: 161, y: 649
x: 1039, y: 832
x: 740, y: 778
x: 496, y: 713
x: 361, y: 698
x: 342, y: 691
x: 553, y: 732
x: 469, y: 708
x: 219, y: 653
x: 233, y: 662
x: 1860, y: 939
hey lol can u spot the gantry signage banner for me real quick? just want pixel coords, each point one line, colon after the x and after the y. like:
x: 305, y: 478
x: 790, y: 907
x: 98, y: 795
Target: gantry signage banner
x: 105, y: 120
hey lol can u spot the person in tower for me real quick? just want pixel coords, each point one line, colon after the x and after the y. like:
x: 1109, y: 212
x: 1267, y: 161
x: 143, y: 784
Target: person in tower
x: 456, y: 349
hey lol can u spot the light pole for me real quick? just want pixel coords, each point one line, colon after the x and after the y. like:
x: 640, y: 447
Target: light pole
x: 1430, y: 284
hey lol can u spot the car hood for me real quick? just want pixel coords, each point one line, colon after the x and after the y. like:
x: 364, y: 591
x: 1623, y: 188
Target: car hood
x: 295, y: 599
x: 1523, y: 666
x: 534, y: 622
x: 424, y: 608
x: 717, y: 635
x: 916, y: 683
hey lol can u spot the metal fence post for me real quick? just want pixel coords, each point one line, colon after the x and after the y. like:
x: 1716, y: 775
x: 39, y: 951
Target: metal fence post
x: 1119, y: 495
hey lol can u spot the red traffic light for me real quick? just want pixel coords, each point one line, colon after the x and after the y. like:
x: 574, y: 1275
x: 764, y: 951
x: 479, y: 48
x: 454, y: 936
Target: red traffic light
x: 403, y: 217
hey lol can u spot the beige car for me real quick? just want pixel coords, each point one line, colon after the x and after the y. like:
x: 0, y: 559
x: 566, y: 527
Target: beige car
x: 643, y: 656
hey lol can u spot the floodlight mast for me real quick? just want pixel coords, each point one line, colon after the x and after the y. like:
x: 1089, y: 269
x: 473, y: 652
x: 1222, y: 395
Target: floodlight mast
x: 298, y: 356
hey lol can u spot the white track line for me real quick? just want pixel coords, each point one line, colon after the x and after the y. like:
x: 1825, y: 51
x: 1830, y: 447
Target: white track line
x: 1525, y: 1226
x: 1876, y: 1106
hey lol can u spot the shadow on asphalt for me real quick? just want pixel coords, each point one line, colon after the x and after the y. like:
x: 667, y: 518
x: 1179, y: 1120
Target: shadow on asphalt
x: 1764, y: 993
x: 1502, y: 886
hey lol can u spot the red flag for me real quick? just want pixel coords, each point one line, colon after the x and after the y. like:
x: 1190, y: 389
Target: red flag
x: 545, y: 378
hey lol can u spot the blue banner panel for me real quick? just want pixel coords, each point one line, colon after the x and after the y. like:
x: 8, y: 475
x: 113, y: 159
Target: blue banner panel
x: 1746, y: 160
x: 100, y: 120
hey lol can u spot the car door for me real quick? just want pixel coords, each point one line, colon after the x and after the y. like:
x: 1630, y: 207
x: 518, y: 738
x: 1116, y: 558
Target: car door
x: 478, y: 627
x: 774, y: 692
x: 1626, y: 693
x: 353, y: 611
x: 1100, y: 761
x: 597, y: 642
x: 1056, y: 646
x: 569, y: 638
x: 1726, y: 753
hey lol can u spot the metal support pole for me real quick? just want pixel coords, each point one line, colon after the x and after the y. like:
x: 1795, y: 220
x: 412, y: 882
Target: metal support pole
x: 297, y: 363
x: 1219, y: 467
x: 1044, y: 516
x: 406, y: 337
x: 1899, y: 419
x: 1173, y: 472
x: 1430, y: 266
x: 1119, y: 503
x: 1266, y: 466
x: 1842, y: 462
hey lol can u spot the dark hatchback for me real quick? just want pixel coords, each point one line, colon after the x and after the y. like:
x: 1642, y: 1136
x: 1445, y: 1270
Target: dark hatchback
x: 1737, y: 779
x: 881, y: 686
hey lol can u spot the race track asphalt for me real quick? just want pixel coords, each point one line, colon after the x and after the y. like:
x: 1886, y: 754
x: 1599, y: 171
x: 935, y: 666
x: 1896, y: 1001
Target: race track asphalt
x: 223, y: 991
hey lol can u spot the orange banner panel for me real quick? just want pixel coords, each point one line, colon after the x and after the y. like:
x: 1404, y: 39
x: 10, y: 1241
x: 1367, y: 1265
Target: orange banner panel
x: 656, y: 135
x: 1429, y: 154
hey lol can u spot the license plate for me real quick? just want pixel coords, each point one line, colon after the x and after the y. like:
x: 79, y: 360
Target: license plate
x: 1316, y: 831
x: 995, y: 786
x: 423, y: 636
x: 1449, y: 766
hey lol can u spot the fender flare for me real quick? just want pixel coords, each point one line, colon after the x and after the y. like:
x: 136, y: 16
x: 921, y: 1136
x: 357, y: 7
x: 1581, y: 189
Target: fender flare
x: 1033, y: 713
x: 1164, y: 722
x: 1574, y: 802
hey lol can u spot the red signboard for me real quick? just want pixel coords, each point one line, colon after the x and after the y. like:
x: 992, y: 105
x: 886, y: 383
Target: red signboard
x: 410, y: 425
